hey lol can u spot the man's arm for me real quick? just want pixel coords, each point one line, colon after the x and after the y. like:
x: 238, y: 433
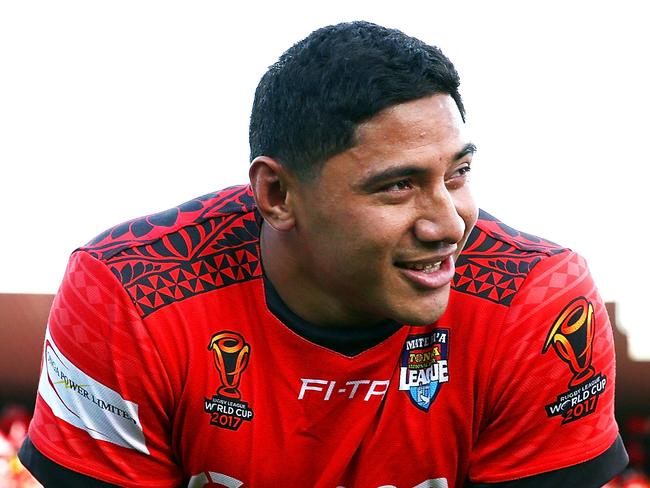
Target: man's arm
x: 551, y: 396
x: 54, y: 475
x: 593, y: 473
x: 104, y: 401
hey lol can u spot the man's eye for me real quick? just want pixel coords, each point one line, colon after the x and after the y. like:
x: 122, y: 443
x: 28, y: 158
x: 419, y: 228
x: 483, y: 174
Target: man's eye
x: 463, y: 170
x: 398, y: 186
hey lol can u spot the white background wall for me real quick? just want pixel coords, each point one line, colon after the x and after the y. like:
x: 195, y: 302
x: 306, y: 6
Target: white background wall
x: 111, y: 110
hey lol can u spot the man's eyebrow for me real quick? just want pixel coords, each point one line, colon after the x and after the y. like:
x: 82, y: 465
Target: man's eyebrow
x: 469, y: 148
x: 406, y: 171
x: 391, y: 174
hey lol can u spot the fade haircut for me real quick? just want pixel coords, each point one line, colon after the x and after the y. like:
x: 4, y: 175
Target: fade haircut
x: 309, y: 103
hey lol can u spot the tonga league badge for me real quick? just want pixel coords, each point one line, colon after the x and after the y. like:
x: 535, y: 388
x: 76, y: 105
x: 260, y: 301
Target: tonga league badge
x: 231, y: 354
x: 423, y: 366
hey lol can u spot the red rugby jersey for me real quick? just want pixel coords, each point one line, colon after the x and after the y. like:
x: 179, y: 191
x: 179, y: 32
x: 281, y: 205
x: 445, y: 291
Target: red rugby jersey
x: 164, y: 365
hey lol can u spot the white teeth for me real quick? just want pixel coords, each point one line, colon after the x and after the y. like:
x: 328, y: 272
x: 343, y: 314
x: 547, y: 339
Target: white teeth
x: 427, y: 268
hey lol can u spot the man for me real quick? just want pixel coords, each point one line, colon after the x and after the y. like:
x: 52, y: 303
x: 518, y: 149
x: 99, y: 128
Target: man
x: 321, y: 327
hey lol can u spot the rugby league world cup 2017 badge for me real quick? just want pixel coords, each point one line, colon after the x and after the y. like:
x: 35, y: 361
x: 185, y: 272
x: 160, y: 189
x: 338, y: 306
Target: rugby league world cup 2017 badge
x: 231, y: 356
x: 423, y: 366
x: 572, y: 337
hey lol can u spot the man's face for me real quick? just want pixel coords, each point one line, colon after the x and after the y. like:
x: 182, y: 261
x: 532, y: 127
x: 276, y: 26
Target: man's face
x: 378, y: 231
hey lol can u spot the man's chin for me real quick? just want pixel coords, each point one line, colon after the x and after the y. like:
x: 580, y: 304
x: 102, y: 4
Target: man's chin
x: 424, y: 310
x: 421, y: 317
x: 421, y: 323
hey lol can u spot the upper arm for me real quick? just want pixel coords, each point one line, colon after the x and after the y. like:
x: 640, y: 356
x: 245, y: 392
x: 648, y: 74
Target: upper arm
x: 551, y: 394
x: 104, y: 402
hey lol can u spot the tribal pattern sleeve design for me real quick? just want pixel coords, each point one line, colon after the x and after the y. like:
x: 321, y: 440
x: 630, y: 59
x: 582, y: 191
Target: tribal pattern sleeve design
x: 497, y: 259
x: 201, y: 245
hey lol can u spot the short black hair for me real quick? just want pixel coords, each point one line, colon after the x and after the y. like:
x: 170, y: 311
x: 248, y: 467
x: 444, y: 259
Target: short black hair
x: 309, y: 103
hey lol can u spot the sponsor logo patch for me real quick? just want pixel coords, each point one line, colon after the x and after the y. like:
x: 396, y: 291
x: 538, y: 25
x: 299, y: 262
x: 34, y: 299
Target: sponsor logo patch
x: 231, y: 354
x: 572, y: 336
x: 354, y: 389
x: 82, y: 401
x: 423, y: 366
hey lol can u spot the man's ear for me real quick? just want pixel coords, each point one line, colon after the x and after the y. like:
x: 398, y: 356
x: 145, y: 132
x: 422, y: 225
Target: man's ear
x: 270, y: 182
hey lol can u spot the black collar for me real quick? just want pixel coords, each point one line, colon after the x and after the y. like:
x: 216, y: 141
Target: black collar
x: 349, y: 341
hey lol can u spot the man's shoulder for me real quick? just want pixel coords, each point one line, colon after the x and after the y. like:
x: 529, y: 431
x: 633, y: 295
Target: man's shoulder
x: 202, y: 245
x: 497, y: 259
x: 216, y: 206
x: 490, y: 229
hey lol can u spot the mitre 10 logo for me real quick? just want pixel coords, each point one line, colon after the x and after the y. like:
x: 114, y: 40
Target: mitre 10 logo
x: 423, y: 366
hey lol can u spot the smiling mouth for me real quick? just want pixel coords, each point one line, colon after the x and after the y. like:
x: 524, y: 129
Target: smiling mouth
x: 428, y: 274
x: 426, y: 268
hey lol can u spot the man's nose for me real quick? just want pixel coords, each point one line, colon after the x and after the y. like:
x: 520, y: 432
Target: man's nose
x: 441, y: 221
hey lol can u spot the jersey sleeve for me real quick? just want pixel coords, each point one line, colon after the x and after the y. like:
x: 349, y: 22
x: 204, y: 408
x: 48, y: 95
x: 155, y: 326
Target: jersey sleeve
x: 551, y: 388
x: 104, y: 400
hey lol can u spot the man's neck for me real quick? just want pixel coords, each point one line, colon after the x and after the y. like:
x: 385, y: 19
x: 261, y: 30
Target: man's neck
x: 295, y: 285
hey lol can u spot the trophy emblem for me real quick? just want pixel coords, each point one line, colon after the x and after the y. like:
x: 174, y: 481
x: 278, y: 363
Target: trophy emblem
x: 231, y: 354
x: 572, y: 337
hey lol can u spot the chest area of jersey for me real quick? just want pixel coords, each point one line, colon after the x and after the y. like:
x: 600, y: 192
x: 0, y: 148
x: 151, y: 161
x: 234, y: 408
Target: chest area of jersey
x: 272, y: 408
